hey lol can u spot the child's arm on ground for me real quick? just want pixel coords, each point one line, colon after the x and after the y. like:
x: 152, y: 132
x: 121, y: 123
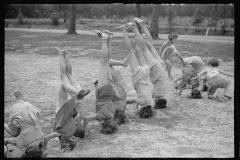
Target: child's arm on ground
x: 47, y: 138
x: 87, y: 119
x: 225, y: 73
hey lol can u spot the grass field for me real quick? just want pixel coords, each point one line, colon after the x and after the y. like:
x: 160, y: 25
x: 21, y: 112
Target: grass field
x: 186, y: 128
x: 87, y: 24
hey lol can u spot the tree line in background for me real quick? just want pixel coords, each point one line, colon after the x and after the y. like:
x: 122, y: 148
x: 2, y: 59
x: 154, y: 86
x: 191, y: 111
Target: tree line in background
x: 119, y: 9
x: 153, y: 11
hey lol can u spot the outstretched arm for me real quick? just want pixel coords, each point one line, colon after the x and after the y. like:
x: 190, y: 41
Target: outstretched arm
x: 47, y: 138
x: 181, y: 59
x: 226, y: 73
x: 178, y: 55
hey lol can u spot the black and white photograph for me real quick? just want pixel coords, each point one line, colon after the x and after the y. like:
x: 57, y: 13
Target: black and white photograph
x: 119, y: 80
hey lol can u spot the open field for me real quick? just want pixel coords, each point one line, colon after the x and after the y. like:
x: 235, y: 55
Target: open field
x: 186, y: 128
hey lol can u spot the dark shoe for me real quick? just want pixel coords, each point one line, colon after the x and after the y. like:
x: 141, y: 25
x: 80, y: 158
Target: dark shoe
x: 103, y: 35
x: 205, y: 88
x: 83, y: 93
x: 99, y: 33
x: 160, y: 104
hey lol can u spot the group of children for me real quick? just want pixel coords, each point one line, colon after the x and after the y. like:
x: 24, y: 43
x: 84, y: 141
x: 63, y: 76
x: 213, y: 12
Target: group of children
x: 146, y: 65
x: 196, y: 75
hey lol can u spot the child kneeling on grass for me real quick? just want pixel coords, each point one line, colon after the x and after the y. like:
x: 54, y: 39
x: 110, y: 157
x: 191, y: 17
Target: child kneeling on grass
x: 214, y: 80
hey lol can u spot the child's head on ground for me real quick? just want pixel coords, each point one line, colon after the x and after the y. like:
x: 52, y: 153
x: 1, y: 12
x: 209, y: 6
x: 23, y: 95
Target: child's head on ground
x: 196, y: 93
x: 145, y: 112
x: 109, y: 126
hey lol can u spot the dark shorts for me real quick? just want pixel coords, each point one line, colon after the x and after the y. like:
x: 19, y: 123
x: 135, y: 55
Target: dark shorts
x: 216, y: 82
x: 64, y: 121
x: 105, y: 110
x: 104, y: 105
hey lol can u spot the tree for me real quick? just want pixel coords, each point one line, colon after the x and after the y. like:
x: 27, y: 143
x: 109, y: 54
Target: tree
x: 215, y: 15
x: 47, y: 9
x: 146, y: 10
x: 65, y: 16
x: 138, y: 14
x: 198, y: 18
x: 72, y: 20
x: 138, y: 10
x: 154, y: 21
x: 97, y: 9
x: 187, y: 10
x: 19, y: 17
x: 224, y: 16
x: 10, y: 11
x: 171, y: 14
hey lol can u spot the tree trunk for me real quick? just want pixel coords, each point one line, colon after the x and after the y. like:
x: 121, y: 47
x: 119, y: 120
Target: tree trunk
x: 72, y: 20
x: 138, y: 14
x: 138, y: 10
x: 170, y: 25
x: 65, y: 16
x: 215, y: 26
x: 171, y: 15
x: 19, y: 17
x: 154, y: 22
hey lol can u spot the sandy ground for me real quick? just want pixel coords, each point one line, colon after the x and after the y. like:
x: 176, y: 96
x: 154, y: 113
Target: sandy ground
x: 186, y: 128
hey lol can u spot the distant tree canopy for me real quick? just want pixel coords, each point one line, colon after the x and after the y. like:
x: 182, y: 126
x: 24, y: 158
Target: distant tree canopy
x: 119, y: 9
x: 198, y: 17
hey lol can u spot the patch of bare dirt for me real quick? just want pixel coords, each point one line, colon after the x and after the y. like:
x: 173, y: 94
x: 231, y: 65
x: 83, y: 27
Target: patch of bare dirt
x: 186, y: 128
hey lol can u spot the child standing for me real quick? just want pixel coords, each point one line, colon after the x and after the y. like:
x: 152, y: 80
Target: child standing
x: 168, y: 50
